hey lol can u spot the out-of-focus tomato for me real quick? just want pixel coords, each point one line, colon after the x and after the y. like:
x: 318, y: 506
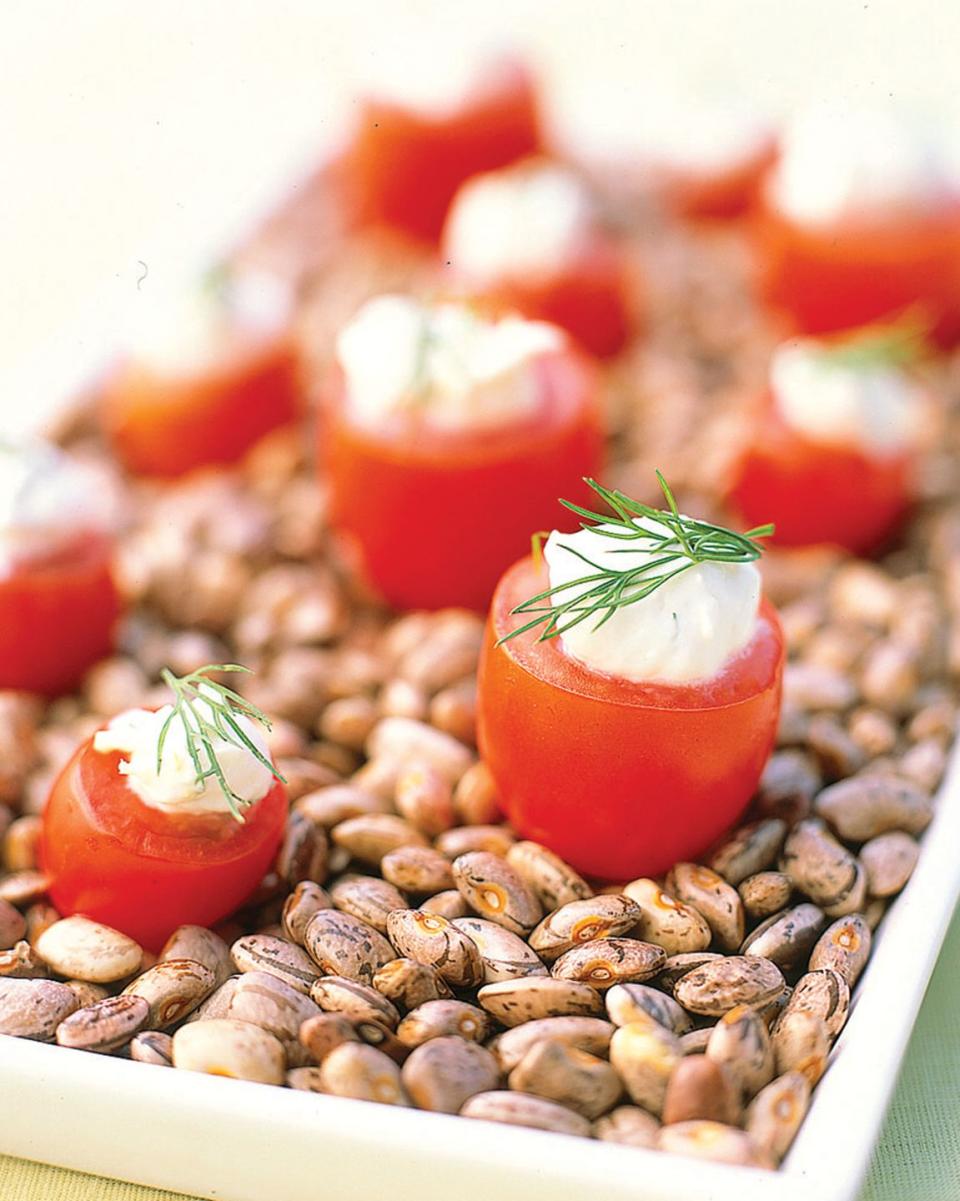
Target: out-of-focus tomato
x: 436, y: 514
x: 818, y: 492
x: 403, y: 166
x: 621, y: 779
x: 142, y: 870
x: 165, y: 423
x: 718, y: 194
x: 839, y: 276
x: 57, y: 616
x: 589, y: 296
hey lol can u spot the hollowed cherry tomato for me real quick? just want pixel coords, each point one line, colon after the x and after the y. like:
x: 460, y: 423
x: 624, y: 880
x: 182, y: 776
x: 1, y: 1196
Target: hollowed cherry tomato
x: 588, y: 296
x: 838, y: 276
x: 57, y: 616
x: 621, y: 778
x: 717, y: 194
x: 165, y: 423
x: 404, y: 166
x: 817, y: 492
x: 436, y: 514
x: 142, y: 870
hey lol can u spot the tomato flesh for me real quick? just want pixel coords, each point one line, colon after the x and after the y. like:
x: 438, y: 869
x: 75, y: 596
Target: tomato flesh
x: 621, y: 779
x: 404, y: 167
x: 819, y: 493
x: 436, y: 515
x: 165, y: 425
x: 142, y: 870
x: 57, y: 616
x: 838, y: 276
x: 590, y: 297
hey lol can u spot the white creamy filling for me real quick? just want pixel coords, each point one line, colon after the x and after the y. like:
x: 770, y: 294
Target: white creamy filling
x: 454, y: 368
x: 872, y: 407
x: 686, y: 629
x: 703, y: 138
x: 174, y: 788
x: 185, y: 330
x: 843, y: 163
x: 47, y: 499
x: 515, y: 223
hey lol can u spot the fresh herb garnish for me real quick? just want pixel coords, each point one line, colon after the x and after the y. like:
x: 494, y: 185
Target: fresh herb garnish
x: 676, y: 542
x: 888, y: 345
x: 209, y: 710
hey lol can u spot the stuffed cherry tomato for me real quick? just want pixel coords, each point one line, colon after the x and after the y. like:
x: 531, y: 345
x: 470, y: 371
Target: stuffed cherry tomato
x: 859, y: 221
x: 58, y: 601
x: 834, y: 446
x: 446, y: 438
x: 203, y: 380
x: 527, y: 238
x: 146, y: 841
x: 628, y: 746
x: 708, y: 162
x: 412, y: 150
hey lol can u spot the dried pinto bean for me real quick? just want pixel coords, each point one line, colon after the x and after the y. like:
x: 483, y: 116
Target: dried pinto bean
x: 801, y: 1044
x: 773, y: 1117
x: 823, y: 869
x: 356, y: 1001
x: 724, y: 983
x: 515, y: 1001
x: 583, y: 921
x: 436, y: 1019
x: 368, y: 898
x: 152, y: 1046
x: 609, y: 961
x: 555, y: 882
x: 520, y: 1109
x: 496, y: 891
x: 277, y: 957
x: 373, y: 835
x: 699, y: 1088
x: 408, y: 984
x: 222, y: 1047
x: 669, y: 923
x: 419, y: 870
x: 631, y: 1002
x: 629, y: 1126
x: 786, y: 938
x: 202, y: 946
x: 645, y: 1055
x: 713, y: 1141
x: 431, y: 939
x: 845, y: 947
x: 306, y: 899
x: 711, y: 896
x: 585, y: 1033
x: 750, y: 849
x: 865, y: 806
x: 321, y: 1033
x: 442, y: 1074
x: 765, y: 894
x: 504, y: 955
x: 34, y: 1008
x: 172, y: 989
x: 826, y: 993
x: 343, y: 945
x: 741, y: 1045
x: 576, y: 1079
x: 104, y: 1026
x: 889, y: 860
x: 86, y: 950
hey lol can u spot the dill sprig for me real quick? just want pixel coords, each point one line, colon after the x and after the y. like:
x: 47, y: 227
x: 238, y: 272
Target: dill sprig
x: 899, y: 343
x: 208, y: 710
x: 677, y: 545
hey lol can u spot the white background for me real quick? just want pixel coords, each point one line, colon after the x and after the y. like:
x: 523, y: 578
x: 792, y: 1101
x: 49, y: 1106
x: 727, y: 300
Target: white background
x: 134, y: 132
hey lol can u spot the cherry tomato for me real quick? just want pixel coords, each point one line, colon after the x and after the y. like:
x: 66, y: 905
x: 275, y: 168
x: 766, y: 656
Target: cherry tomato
x: 816, y: 492
x: 403, y: 166
x: 621, y: 779
x: 720, y: 194
x: 589, y: 297
x: 838, y: 276
x: 165, y: 424
x: 57, y: 616
x: 142, y: 870
x: 435, y: 515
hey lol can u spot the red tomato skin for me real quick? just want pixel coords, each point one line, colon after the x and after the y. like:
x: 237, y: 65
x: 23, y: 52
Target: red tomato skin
x: 435, y: 515
x: 840, y: 276
x: 57, y: 617
x: 166, y: 425
x: 143, y: 871
x: 590, y: 297
x: 403, y: 168
x: 816, y: 493
x: 621, y: 779
x: 723, y: 195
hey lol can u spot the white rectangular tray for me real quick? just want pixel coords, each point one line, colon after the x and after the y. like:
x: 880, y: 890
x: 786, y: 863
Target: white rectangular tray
x: 236, y: 1141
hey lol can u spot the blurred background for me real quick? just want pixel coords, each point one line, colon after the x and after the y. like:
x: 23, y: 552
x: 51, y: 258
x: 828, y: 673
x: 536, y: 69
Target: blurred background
x: 139, y: 140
